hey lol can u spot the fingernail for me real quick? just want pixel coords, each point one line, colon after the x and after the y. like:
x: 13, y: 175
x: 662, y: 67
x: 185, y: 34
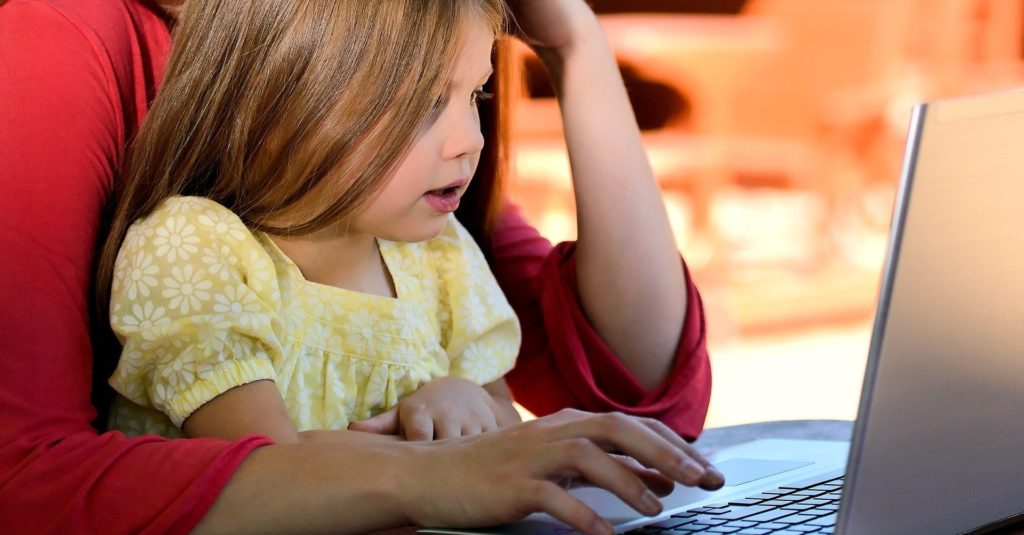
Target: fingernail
x: 691, y: 470
x: 652, y: 505
x: 602, y: 526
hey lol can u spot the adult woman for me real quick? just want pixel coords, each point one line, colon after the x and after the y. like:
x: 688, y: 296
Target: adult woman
x: 76, y: 78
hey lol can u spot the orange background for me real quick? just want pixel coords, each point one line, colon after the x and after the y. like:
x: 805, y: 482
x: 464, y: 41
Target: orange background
x: 776, y: 131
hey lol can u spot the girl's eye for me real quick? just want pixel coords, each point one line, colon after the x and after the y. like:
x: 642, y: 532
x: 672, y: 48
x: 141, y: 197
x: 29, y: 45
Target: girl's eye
x: 479, y: 95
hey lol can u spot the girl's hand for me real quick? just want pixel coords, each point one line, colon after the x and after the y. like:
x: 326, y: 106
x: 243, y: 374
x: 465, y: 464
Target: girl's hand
x: 503, y: 476
x: 554, y: 25
x: 446, y: 407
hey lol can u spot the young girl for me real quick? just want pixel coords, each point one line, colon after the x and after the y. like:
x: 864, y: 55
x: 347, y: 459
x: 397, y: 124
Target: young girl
x: 286, y: 255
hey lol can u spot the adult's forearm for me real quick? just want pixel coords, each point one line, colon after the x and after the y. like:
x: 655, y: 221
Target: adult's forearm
x: 631, y: 284
x: 336, y: 487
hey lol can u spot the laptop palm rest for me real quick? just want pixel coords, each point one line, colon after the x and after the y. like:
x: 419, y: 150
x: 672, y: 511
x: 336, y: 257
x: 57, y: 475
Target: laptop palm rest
x: 740, y: 471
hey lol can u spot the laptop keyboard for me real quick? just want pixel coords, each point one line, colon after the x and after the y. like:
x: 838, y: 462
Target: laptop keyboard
x: 797, y: 509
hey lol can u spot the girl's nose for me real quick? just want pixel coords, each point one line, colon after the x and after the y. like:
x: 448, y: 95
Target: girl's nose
x: 464, y: 137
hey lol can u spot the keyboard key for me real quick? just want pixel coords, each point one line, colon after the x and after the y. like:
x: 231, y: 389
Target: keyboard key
x: 736, y: 513
x: 768, y: 516
x: 765, y: 496
x: 796, y: 519
x: 708, y: 522
x: 805, y: 528
x: 798, y: 507
x: 753, y: 531
x: 812, y: 481
x: 723, y: 529
x: 745, y: 501
x: 819, y: 511
x: 829, y: 521
x: 670, y: 523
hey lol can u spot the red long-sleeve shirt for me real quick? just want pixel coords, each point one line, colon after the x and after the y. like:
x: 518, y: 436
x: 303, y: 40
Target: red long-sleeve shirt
x: 76, y: 79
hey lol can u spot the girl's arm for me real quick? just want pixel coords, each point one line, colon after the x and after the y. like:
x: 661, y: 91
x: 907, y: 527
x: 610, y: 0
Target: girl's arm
x: 256, y: 408
x: 630, y: 282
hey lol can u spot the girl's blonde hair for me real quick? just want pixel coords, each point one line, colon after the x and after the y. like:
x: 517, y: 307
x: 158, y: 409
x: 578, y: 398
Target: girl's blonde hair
x: 267, y: 103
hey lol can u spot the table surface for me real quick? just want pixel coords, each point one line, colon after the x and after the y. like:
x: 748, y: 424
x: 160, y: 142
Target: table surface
x: 723, y: 437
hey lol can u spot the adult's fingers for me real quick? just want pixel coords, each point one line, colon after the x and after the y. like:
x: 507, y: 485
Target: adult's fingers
x: 626, y: 434
x: 601, y: 469
x: 655, y: 480
x: 416, y: 423
x: 557, y: 502
x: 713, y: 479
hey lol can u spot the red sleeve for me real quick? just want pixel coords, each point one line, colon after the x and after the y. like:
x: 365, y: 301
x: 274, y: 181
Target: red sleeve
x: 60, y: 136
x: 564, y: 362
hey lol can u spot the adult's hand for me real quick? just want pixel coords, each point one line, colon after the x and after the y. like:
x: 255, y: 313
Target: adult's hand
x: 553, y: 25
x: 505, y: 475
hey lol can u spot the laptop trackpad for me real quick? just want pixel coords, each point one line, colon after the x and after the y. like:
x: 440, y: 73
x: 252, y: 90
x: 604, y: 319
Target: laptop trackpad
x: 740, y: 471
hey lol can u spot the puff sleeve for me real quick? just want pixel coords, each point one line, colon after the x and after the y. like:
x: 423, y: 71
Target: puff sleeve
x: 195, y: 304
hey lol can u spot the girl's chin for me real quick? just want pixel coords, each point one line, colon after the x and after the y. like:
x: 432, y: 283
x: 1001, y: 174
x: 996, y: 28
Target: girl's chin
x: 421, y: 230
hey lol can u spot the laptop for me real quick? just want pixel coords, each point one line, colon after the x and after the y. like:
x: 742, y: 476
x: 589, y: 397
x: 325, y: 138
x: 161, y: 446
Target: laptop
x: 938, y: 444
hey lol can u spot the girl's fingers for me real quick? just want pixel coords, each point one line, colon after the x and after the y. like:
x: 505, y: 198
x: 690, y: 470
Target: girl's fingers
x: 554, y: 500
x: 417, y: 424
x: 385, y: 423
x: 447, y: 428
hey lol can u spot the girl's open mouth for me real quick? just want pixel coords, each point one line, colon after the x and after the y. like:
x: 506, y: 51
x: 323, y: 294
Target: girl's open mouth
x: 445, y: 200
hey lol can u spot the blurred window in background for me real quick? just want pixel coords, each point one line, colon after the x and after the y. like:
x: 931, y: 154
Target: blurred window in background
x: 775, y: 129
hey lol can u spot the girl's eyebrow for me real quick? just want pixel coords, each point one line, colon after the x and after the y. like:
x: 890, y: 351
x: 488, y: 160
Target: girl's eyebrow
x: 454, y: 82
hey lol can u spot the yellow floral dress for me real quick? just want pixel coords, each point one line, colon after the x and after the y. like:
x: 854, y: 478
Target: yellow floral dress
x: 201, y: 304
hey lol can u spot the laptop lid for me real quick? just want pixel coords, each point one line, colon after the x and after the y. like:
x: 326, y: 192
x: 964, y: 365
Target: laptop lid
x: 938, y: 446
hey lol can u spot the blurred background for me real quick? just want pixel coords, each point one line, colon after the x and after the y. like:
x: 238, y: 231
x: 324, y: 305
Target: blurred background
x: 776, y: 131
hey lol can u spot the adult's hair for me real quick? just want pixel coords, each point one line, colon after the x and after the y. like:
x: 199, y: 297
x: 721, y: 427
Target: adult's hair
x: 270, y: 106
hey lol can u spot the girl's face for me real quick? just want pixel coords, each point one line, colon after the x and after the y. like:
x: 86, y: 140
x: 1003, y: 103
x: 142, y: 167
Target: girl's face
x: 414, y: 204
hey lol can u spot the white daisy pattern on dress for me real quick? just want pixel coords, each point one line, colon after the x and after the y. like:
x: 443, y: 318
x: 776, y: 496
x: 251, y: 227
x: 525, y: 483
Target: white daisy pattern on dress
x: 240, y: 303
x: 220, y: 262
x: 144, y: 317
x: 176, y: 239
x: 186, y: 288
x: 139, y: 276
